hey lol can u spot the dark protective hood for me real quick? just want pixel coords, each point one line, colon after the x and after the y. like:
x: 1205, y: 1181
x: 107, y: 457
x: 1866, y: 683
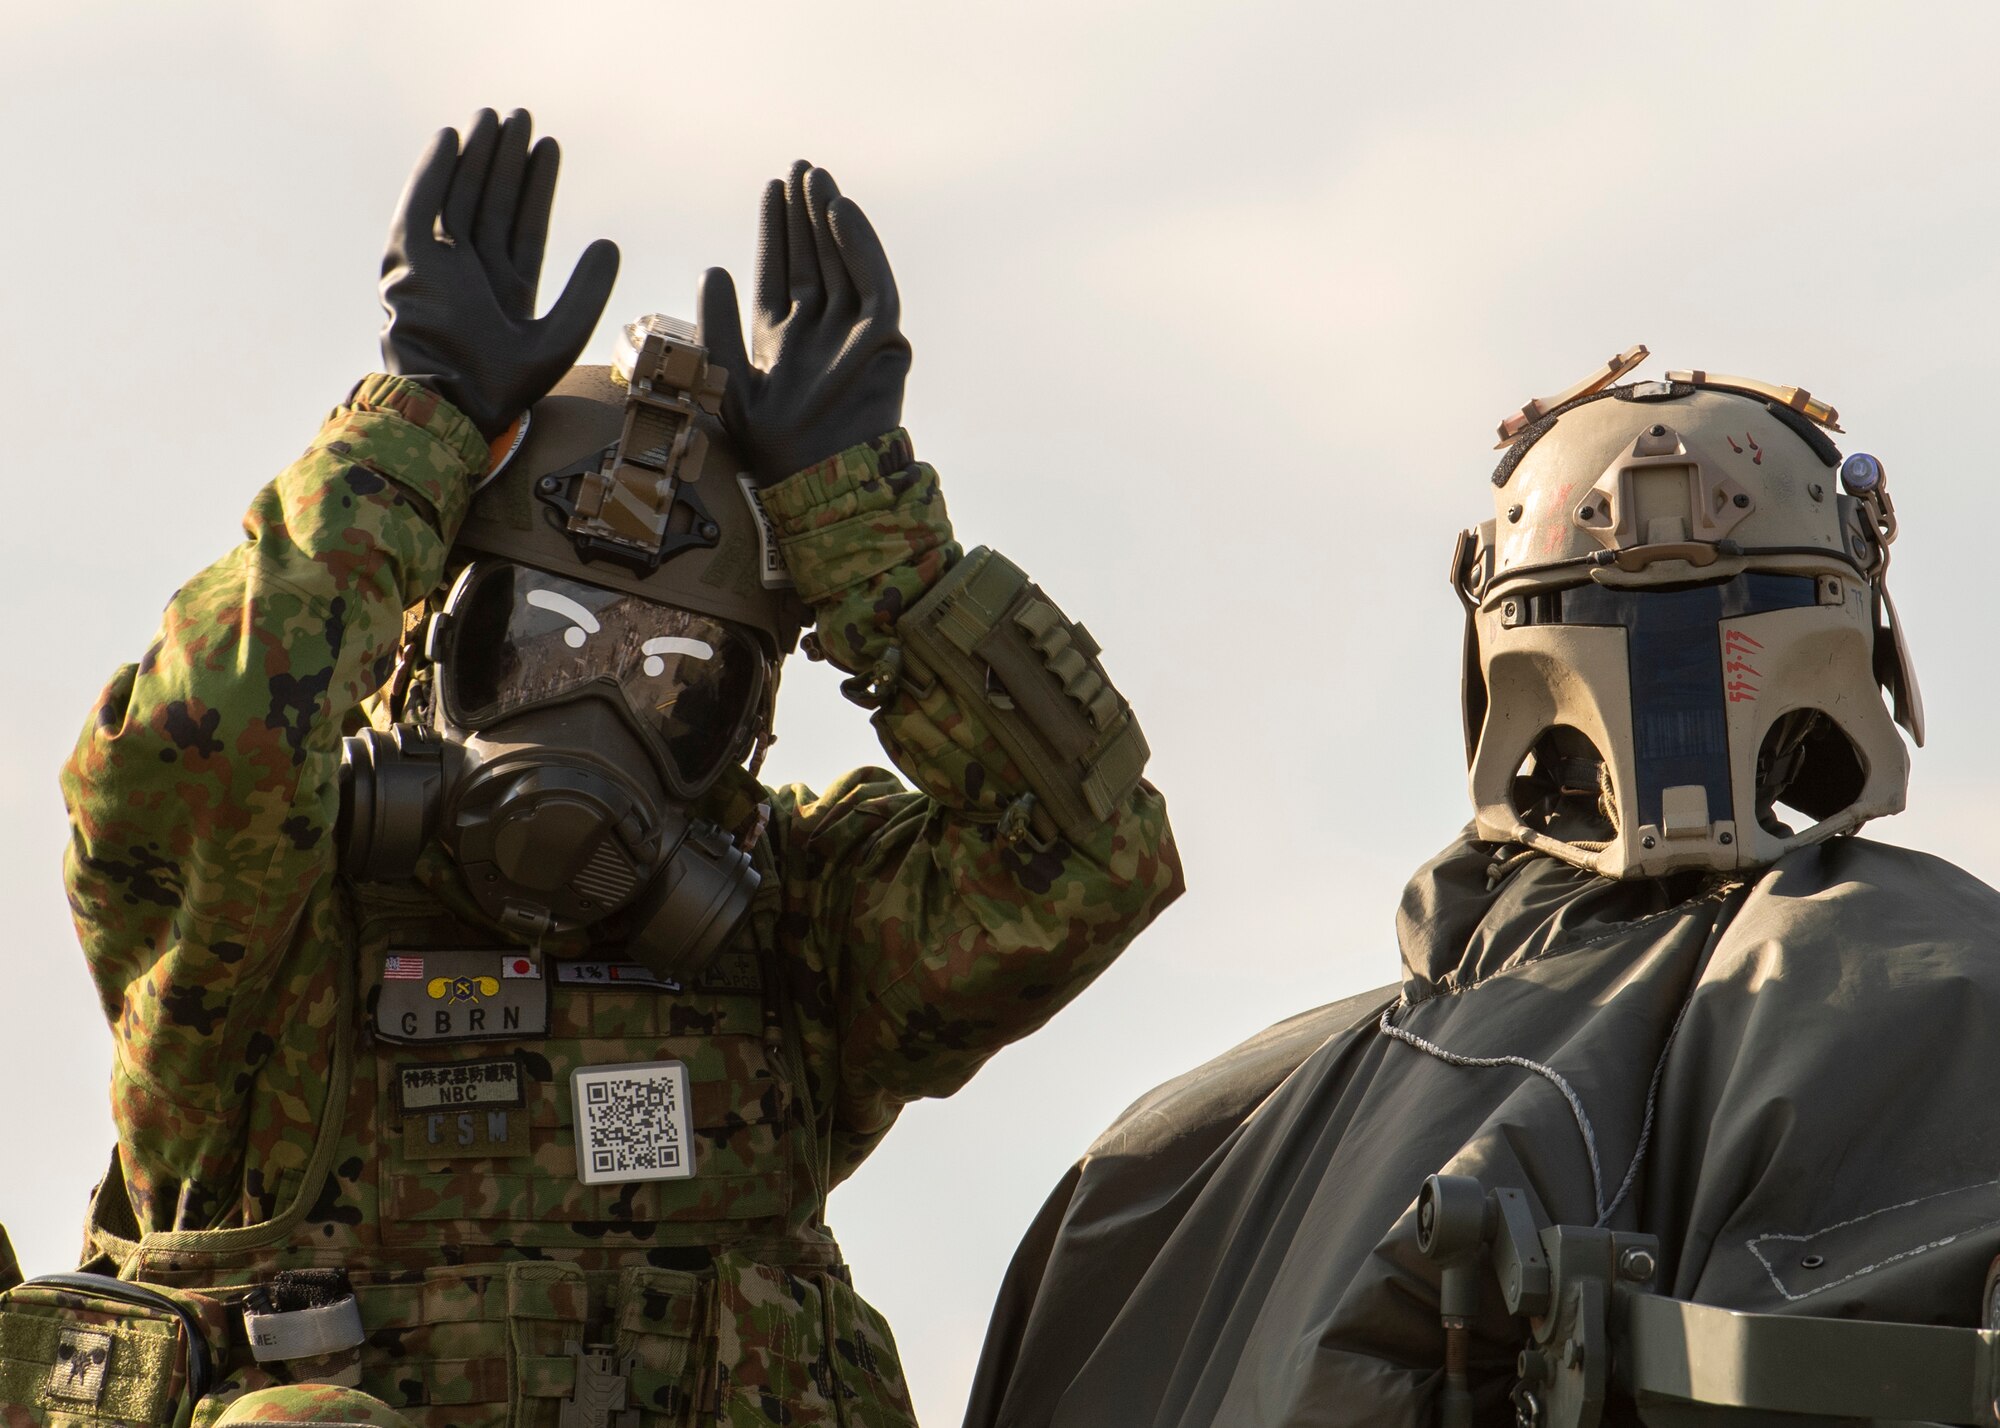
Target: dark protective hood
x: 1815, y: 1048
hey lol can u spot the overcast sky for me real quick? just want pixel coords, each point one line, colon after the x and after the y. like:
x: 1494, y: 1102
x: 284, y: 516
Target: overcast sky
x: 1214, y: 307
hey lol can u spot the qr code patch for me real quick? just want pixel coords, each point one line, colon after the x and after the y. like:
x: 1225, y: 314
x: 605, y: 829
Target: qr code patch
x: 632, y: 1123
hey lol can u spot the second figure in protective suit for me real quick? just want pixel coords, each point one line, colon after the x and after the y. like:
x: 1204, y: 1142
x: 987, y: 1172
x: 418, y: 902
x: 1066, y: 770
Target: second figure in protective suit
x: 522, y: 1045
x: 1655, y: 991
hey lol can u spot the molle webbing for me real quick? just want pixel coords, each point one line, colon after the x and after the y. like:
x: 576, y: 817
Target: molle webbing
x: 1000, y: 644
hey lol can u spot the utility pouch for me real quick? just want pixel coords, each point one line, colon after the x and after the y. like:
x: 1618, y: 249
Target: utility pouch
x: 867, y: 1370
x: 767, y: 1319
x: 995, y: 640
x: 85, y: 1349
x: 661, y: 1313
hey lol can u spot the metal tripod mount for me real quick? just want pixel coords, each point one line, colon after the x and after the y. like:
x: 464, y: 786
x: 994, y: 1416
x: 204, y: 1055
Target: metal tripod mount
x: 1560, y: 1278
x: 1595, y: 1326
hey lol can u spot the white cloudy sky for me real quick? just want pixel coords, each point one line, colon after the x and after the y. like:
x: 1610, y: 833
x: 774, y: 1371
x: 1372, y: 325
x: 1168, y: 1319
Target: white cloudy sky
x: 1214, y: 305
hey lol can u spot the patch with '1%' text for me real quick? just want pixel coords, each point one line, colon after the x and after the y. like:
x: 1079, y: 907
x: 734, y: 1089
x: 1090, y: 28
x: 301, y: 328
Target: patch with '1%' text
x: 613, y: 974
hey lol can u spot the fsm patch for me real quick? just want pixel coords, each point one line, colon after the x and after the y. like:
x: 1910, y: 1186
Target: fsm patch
x: 82, y: 1358
x: 460, y: 996
x: 481, y: 1133
x: 632, y: 1122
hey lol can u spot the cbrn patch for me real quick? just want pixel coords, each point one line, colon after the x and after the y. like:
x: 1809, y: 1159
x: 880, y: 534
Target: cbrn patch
x: 460, y: 996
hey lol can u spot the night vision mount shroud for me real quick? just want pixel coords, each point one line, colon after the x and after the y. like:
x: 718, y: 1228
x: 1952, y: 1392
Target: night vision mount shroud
x: 625, y: 480
x: 623, y: 507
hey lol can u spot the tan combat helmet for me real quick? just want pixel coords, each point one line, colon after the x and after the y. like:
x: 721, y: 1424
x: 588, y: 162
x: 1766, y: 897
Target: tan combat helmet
x: 623, y: 480
x: 1677, y: 629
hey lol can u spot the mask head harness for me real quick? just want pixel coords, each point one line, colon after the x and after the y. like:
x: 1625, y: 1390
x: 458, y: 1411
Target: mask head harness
x: 609, y: 647
x: 1678, y: 631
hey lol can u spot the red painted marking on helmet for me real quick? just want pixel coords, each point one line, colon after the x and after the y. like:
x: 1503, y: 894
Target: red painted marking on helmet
x: 1740, y: 687
x: 1758, y: 459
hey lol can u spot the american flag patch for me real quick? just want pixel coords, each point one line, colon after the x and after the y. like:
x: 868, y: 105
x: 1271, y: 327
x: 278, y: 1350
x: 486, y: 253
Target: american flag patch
x: 403, y: 969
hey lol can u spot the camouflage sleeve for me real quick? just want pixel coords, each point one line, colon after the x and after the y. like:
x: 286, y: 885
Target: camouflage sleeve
x: 203, y: 791
x: 941, y: 942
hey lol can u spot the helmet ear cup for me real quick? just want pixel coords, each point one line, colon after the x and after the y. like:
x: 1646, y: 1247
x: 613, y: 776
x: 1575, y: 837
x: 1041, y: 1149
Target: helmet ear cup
x: 1472, y: 689
x: 1894, y: 669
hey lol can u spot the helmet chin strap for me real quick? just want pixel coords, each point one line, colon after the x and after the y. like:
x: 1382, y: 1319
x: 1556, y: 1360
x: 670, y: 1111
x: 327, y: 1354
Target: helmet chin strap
x: 1571, y: 787
x: 766, y: 734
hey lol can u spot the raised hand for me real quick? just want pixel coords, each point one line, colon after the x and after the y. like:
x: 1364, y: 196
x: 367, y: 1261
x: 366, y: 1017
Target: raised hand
x: 463, y: 260
x: 828, y: 361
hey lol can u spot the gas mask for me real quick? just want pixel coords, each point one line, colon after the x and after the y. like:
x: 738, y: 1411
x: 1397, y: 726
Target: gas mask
x: 608, y: 649
x: 1678, y: 630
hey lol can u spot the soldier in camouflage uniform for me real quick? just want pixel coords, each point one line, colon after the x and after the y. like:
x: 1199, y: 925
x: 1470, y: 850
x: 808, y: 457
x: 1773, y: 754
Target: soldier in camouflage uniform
x: 284, y: 1143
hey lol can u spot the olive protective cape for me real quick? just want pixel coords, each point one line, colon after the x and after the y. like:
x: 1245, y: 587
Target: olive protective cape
x: 1240, y: 1247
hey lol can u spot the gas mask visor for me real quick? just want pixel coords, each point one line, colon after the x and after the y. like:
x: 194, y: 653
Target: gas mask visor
x: 513, y: 638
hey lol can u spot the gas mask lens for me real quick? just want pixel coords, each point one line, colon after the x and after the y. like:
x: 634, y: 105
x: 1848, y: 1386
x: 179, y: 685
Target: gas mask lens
x: 516, y: 638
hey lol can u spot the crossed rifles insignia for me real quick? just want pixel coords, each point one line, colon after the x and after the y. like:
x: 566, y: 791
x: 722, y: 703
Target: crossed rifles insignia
x: 452, y: 990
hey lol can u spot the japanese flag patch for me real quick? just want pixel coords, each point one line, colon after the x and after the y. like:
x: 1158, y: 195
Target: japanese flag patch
x: 632, y: 1122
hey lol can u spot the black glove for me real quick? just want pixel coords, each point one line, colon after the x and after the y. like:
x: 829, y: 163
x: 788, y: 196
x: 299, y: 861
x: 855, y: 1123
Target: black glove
x: 830, y: 363
x: 459, y: 274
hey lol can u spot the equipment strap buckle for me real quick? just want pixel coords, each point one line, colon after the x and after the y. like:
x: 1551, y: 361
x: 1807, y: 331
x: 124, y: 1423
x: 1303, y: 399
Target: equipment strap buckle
x: 599, y: 1398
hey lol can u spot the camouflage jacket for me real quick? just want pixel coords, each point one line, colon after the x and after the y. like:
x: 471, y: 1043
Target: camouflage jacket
x: 265, y: 1123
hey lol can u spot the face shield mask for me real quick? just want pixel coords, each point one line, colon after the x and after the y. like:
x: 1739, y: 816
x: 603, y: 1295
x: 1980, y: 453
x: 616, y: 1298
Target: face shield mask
x: 513, y: 639
x: 1678, y: 634
x: 608, y: 650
